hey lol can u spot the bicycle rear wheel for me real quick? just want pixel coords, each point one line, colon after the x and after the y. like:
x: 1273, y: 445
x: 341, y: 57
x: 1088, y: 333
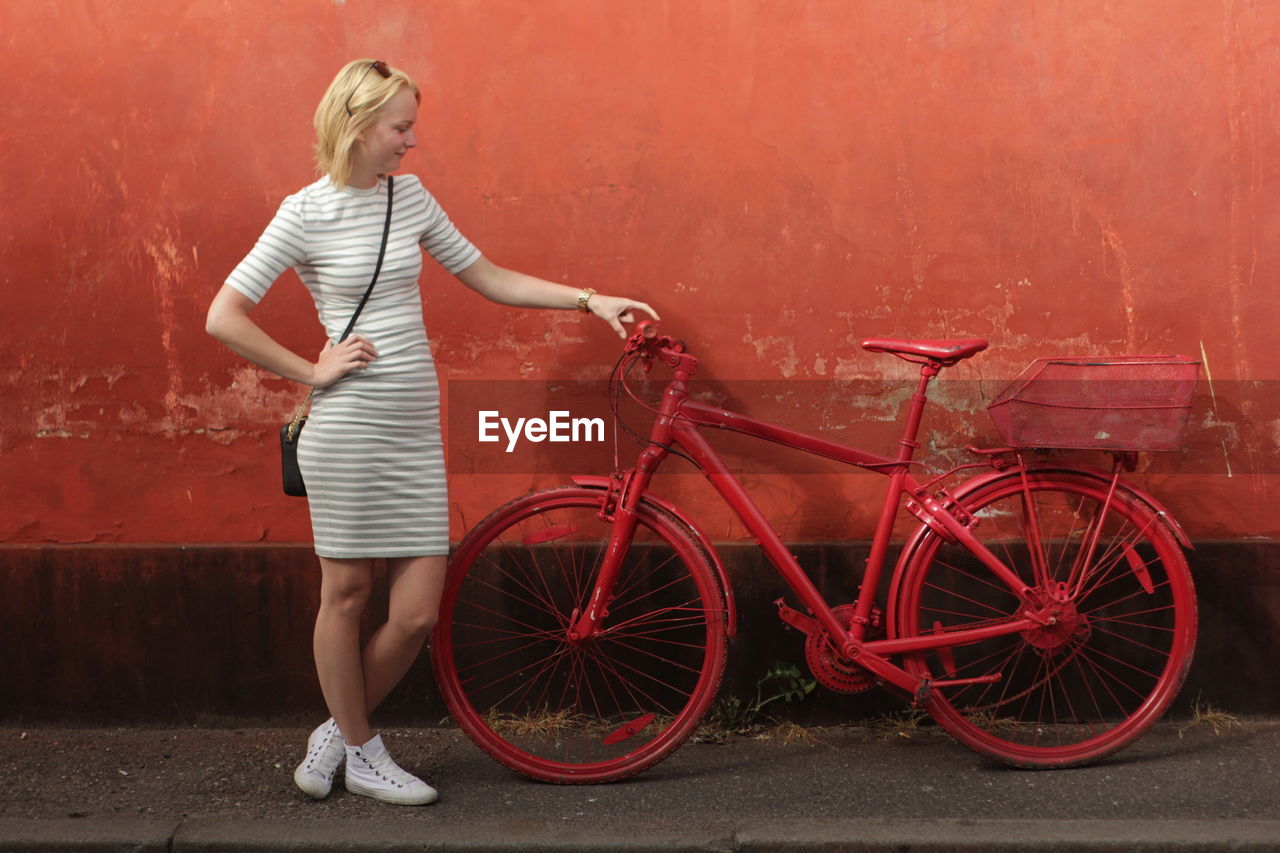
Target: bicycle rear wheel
x: 1123, y: 621
x: 576, y: 712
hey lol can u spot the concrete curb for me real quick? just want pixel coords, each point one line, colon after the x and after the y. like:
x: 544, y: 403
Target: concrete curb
x: 74, y: 836
x: 393, y: 836
x: 775, y: 836
x: 972, y: 836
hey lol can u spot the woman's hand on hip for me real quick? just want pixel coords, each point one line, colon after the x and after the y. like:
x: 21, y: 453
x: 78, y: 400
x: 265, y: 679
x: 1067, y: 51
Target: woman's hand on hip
x: 337, y: 360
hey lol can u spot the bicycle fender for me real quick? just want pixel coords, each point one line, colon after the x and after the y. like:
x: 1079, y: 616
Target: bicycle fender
x: 983, y: 480
x: 1134, y: 492
x: 731, y: 611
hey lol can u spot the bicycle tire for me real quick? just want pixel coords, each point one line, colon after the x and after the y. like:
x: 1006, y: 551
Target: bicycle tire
x: 1092, y: 683
x: 578, y: 713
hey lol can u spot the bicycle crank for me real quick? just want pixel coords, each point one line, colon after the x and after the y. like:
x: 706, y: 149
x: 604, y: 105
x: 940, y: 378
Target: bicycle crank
x: 832, y: 671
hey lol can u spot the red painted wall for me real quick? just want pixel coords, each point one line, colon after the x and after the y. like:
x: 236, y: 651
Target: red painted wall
x: 780, y: 179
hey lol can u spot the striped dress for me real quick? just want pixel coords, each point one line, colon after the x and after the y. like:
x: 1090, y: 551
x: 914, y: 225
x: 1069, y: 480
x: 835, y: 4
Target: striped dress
x: 371, y: 453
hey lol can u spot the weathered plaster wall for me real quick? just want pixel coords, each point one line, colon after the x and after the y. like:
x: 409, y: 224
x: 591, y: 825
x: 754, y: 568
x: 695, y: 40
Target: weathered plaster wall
x: 780, y: 179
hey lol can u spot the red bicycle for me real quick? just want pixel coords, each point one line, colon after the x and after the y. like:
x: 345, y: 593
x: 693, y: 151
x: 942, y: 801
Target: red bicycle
x: 1042, y: 612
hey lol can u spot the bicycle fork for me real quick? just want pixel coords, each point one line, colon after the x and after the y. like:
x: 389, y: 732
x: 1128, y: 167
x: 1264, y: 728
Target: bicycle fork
x: 622, y: 503
x: 621, y: 506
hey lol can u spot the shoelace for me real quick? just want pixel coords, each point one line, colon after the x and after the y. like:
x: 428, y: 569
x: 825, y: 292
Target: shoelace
x: 387, y: 770
x: 335, y: 752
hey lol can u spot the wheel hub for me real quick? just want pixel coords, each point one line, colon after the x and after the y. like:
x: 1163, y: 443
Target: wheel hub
x: 1060, y: 626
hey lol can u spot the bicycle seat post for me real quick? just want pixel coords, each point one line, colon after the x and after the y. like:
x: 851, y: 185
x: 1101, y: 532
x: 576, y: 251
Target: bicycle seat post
x: 907, y: 444
x: 932, y: 356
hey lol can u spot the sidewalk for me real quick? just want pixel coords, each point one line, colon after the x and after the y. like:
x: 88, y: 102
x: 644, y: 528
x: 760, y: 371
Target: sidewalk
x: 857, y: 789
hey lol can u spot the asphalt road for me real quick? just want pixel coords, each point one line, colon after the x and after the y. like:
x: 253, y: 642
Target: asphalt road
x: 849, y: 788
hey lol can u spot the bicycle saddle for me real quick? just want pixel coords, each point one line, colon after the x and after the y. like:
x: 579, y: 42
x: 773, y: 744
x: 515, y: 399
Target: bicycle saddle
x: 945, y: 352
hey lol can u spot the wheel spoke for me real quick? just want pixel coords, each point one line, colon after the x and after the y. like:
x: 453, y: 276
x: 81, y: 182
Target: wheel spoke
x: 507, y: 617
x: 546, y: 605
x: 524, y: 681
x: 493, y: 660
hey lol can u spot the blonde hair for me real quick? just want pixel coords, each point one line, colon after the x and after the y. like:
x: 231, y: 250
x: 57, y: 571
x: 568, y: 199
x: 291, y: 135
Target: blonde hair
x: 348, y: 108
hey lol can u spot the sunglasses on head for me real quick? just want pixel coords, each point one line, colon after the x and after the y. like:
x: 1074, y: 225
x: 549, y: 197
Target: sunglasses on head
x: 377, y: 65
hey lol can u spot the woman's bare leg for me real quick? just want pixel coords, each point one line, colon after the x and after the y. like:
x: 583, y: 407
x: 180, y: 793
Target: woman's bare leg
x: 345, y: 586
x: 416, y: 586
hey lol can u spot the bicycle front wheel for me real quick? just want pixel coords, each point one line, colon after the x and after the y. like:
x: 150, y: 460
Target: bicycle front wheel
x: 569, y: 711
x: 1119, y: 632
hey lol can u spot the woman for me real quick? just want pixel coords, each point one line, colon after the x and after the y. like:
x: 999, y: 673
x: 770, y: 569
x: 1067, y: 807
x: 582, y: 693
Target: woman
x: 371, y: 454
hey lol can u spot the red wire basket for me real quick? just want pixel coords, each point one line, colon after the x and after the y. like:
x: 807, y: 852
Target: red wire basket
x: 1136, y: 402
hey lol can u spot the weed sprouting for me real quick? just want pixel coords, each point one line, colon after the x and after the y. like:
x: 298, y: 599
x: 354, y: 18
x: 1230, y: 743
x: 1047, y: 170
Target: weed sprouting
x: 731, y: 715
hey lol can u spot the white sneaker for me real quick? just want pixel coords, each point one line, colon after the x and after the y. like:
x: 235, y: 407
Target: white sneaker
x: 371, y: 772
x: 325, y: 751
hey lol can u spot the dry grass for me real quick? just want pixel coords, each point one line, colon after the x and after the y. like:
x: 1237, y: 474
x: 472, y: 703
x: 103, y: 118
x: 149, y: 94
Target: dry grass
x: 989, y: 721
x: 1204, y: 714
x: 549, y: 724
x: 788, y: 733
x: 902, y: 725
x: 708, y: 733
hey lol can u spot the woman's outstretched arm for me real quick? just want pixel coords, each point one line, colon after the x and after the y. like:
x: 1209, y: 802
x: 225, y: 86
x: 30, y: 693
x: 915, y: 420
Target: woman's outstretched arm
x: 509, y: 287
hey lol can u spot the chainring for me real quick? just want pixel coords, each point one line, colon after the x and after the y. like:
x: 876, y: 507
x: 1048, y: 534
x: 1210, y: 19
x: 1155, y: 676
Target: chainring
x: 827, y: 666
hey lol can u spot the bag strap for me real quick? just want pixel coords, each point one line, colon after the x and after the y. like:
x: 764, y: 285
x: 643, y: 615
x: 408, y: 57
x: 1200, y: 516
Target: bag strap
x: 382, y: 251
x: 305, y: 405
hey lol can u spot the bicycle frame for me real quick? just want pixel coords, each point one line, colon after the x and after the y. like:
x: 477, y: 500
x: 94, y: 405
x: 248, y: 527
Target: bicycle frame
x: 678, y: 424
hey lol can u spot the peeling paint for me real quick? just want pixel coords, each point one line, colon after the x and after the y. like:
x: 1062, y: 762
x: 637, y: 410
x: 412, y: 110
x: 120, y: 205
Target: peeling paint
x: 169, y: 274
x: 247, y: 399
x: 779, y: 350
x: 57, y: 433
x: 1245, y: 84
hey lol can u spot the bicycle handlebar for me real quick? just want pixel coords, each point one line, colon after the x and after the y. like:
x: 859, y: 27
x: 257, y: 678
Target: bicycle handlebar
x: 648, y: 345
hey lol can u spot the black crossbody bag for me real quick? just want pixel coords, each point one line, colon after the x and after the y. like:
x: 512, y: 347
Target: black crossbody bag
x: 290, y: 432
